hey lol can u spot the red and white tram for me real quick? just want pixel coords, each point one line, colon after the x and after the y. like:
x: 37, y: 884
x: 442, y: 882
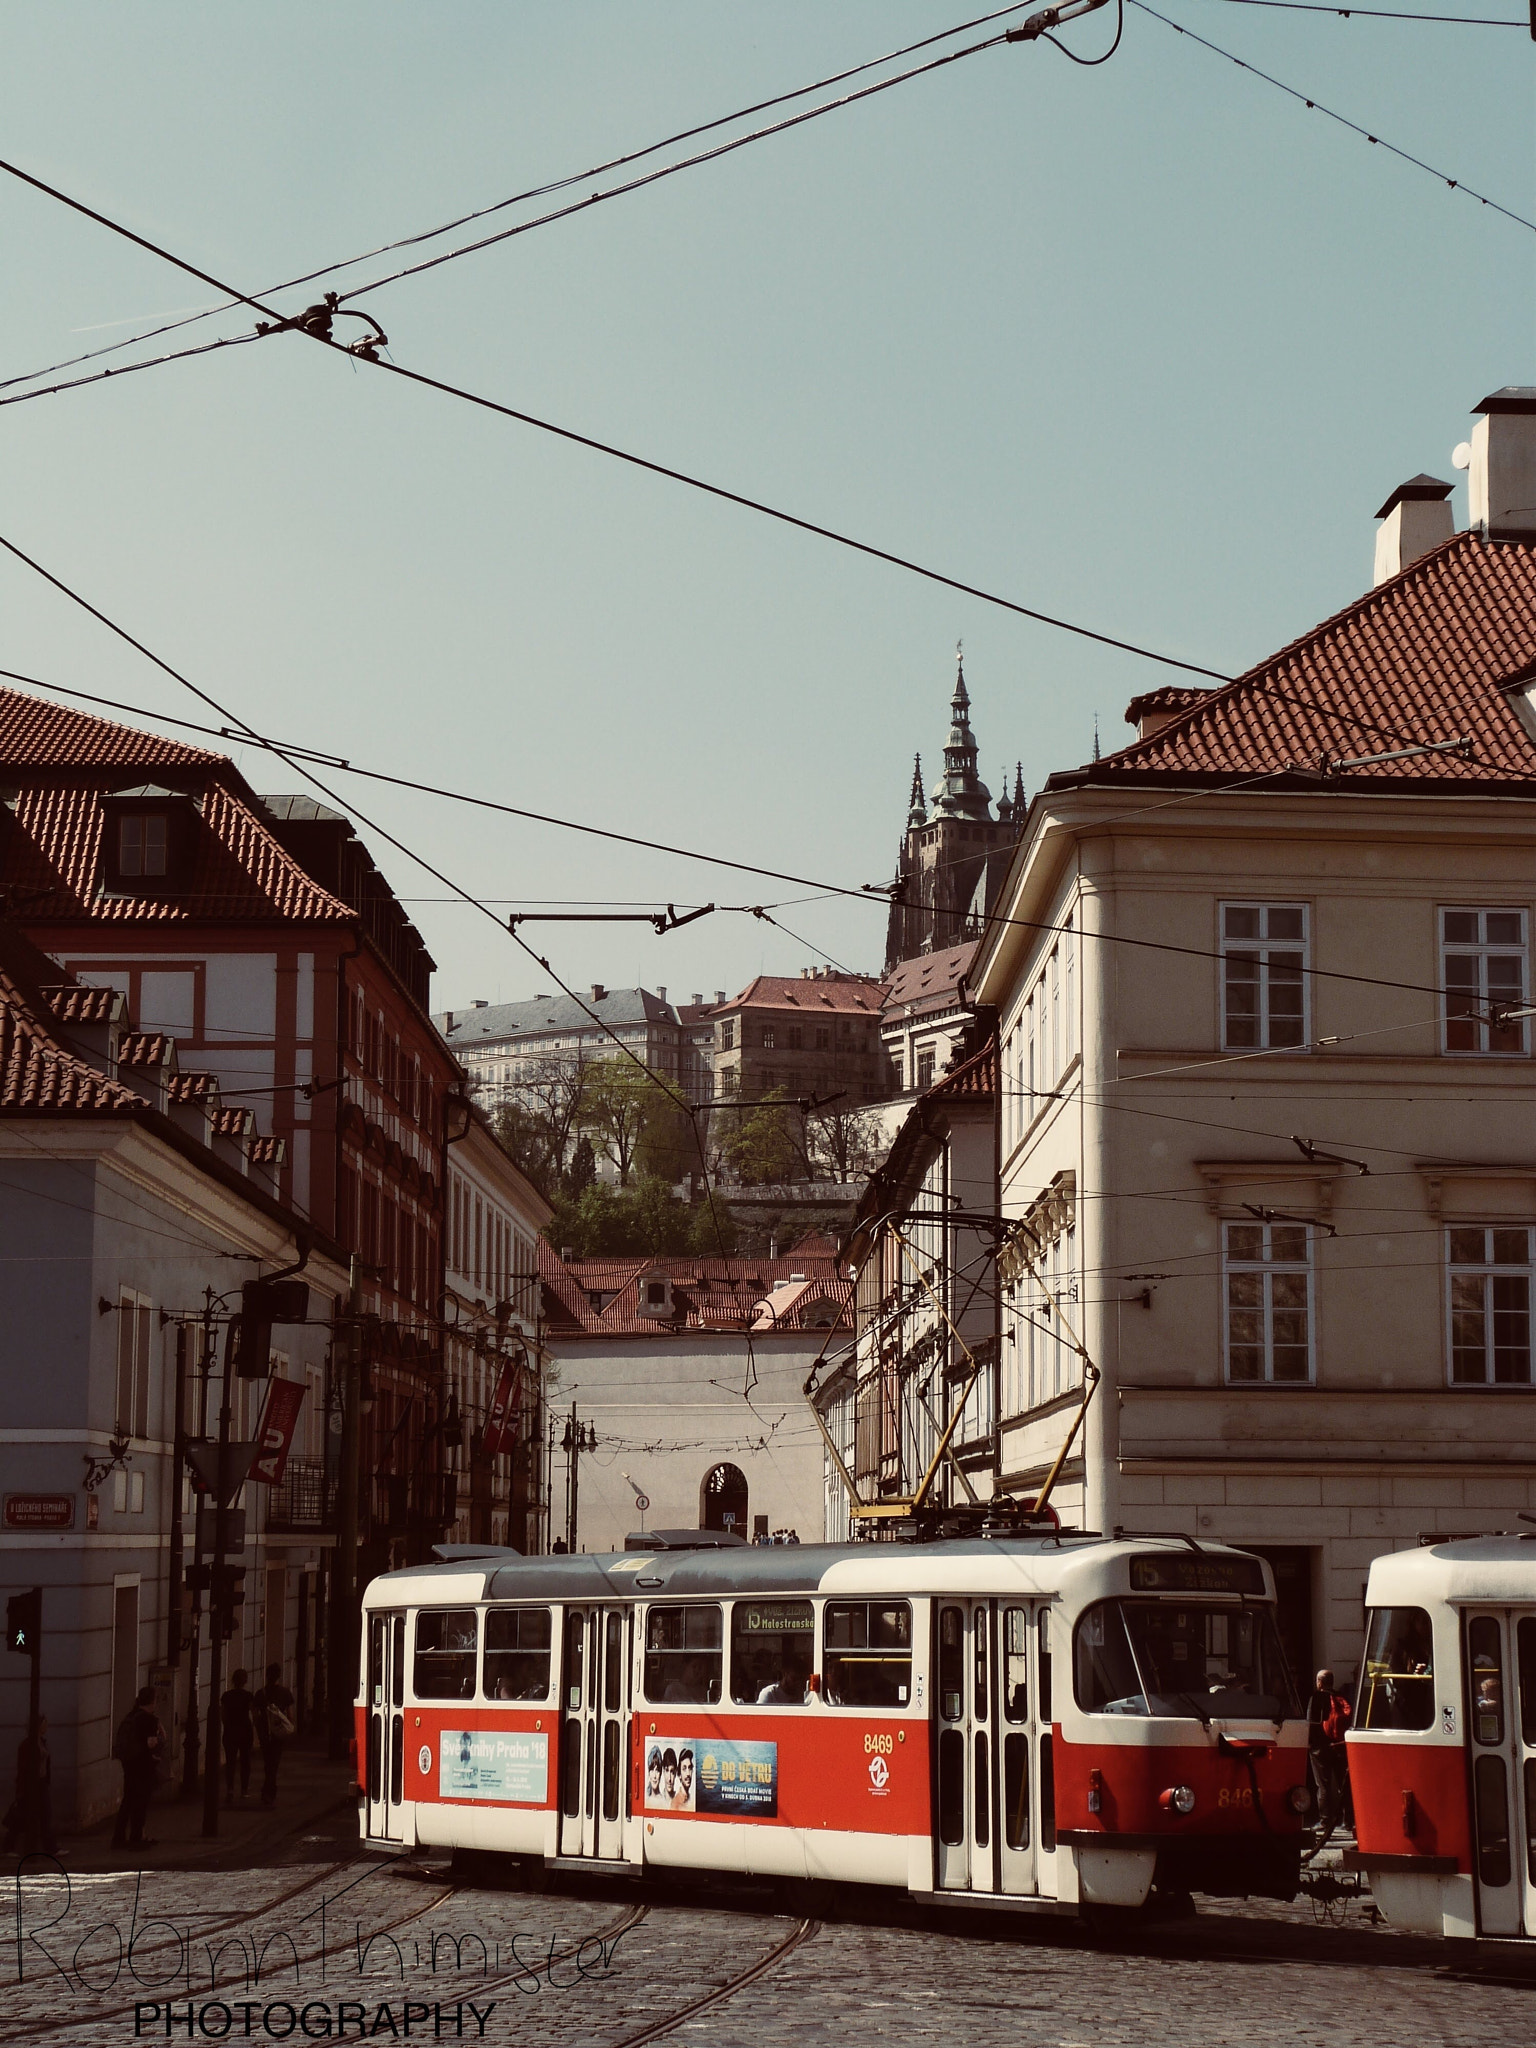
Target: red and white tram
x: 1046, y: 1722
x: 1442, y: 1754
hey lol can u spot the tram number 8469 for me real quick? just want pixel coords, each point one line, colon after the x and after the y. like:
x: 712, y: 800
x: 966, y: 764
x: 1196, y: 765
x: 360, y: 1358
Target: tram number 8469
x: 877, y: 1745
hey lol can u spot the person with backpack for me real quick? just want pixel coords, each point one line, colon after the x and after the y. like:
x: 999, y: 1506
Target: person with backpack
x: 273, y: 1707
x: 1328, y: 1719
x: 138, y: 1747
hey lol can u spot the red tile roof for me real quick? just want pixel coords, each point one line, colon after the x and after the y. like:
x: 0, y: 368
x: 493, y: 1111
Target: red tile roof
x: 39, y: 1075
x: 197, y: 1087
x: 79, y: 1004
x: 145, y: 1049
x: 35, y: 733
x: 975, y: 1078
x: 791, y: 992
x: 709, y: 1295
x: 269, y: 1151
x: 1420, y: 658
x: 52, y: 849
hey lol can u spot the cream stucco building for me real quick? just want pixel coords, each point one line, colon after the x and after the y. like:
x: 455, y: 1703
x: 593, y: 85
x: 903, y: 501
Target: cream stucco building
x: 1266, y: 1088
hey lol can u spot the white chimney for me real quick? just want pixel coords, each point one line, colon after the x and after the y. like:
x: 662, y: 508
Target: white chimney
x: 1501, y: 479
x: 1416, y: 518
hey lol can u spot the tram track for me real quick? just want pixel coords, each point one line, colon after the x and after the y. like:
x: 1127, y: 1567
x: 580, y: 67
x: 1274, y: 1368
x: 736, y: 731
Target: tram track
x: 802, y: 1932
x: 32, y: 2030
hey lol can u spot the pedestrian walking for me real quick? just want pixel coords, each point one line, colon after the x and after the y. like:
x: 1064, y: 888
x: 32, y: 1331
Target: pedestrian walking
x: 138, y: 1746
x: 273, y: 1707
x: 28, y: 1823
x: 239, y: 1734
x: 1328, y: 1719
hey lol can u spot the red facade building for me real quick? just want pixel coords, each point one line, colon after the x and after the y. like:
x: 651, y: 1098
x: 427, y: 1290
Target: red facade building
x: 258, y: 932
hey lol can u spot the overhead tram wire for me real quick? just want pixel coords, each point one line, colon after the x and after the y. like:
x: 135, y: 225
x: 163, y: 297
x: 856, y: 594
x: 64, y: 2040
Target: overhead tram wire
x: 1381, y: 13
x: 235, y: 299
x: 868, y: 893
x: 1343, y: 120
x: 301, y: 767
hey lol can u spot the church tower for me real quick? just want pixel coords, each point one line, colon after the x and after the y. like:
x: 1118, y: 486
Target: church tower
x: 954, y: 851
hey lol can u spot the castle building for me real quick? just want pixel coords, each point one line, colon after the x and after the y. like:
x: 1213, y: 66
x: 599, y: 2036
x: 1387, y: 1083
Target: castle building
x: 955, y: 852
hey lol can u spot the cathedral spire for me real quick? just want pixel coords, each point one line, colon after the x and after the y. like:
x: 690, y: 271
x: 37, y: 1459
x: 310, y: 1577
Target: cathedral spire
x: 961, y: 793
x: 917, y: 809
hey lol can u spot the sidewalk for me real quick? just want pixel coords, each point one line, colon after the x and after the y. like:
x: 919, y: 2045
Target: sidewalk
x: 310, y: 1786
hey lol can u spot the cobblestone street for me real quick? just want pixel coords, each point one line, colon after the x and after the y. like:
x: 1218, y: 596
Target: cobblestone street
x: 597, y: 1966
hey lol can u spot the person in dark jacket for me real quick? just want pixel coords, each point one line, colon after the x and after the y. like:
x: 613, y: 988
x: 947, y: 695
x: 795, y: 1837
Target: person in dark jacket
x: 1328, y: 1718
x: 139, y: 1746
x: 274, y: 1725
x: 239, y: 1734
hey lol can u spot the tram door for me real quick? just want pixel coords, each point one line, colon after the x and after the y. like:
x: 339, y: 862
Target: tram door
x: 963, y: 1696
x: 994, y: 1790
x: 594, y: 1730
x: 1500, y: 1665
x: 386, y: 1725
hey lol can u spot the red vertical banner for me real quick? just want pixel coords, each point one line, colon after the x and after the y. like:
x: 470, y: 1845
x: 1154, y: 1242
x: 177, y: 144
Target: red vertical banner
x: 501, y: 1423
x: 274, y: 1438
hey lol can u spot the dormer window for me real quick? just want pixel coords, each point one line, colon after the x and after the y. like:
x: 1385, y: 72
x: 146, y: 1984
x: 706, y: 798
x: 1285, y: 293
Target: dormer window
x: 147, y: 835
x: 142, y: 842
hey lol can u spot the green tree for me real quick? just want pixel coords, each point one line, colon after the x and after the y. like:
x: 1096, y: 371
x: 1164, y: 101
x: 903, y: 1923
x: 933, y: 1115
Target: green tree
x: 621, y: 1104
x: 762, y: 1144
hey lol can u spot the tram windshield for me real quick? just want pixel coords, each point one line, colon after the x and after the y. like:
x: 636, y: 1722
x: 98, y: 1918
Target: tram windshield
x: 1166, y: 1658
x: 1397, y: 1679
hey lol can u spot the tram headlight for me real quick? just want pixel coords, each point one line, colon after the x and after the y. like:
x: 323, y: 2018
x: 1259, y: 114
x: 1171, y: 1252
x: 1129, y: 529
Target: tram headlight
x: 1177, y: 1799
x: 1299, y: 1799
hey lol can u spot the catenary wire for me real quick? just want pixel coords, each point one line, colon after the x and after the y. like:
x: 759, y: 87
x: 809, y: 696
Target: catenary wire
x: 637, y: 461
x: 1306, y: 100
x: 1381, y: 13
x: 867, y: 894
x: 519, y: 198
x: 300, y: 767
x: 670, y: 170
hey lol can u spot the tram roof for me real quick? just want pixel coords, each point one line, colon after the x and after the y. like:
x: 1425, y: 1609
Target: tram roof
x: 1458, y: 1571
x: 1028, y: 1565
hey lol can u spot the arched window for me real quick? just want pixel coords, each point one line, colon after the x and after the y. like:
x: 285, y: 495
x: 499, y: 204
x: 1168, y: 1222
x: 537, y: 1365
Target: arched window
x: 723, y: 1499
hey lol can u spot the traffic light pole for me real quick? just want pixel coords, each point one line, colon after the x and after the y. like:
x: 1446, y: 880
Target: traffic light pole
x: 218, y: 1606
x: 341, y: 1633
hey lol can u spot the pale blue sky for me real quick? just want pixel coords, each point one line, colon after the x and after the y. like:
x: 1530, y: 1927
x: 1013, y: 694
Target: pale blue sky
x: 1145, y: 345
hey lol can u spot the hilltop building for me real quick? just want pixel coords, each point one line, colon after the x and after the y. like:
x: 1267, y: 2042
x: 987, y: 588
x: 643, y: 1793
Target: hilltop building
x: 955, y: 851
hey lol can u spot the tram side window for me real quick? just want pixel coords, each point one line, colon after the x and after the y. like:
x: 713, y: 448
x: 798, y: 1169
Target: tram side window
x: 517, y: 1643
x: 773, y: 1647
x: 445, y: 1654
x: 683, y: 1655
x: 1397, y: 1678
x: 1526, y: 1640
x: 1016, y: 1664
x: 1104, y: 1671
x: 868, y: 1653
x: 1484, y: 1652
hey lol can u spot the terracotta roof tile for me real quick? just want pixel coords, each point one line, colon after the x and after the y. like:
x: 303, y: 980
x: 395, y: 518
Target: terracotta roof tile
x: 975, y: 1077
x: 791, y: 992
x: 1420, y: 658
x: 269, y: 1151
x: 199, y: 1087
x: 145, y: 1049
x: 81, y: 1004
x: 708, y: 1294
x: 35, y: 733
x: 928, y: 975
x: 39, y: 1075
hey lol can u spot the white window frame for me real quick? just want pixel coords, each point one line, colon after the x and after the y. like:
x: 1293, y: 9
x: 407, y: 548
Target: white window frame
x: 1482, y: 949
x: 1267, y: 1267
x: 1263, y: 945
x: 1488, y: 1272
x: 135, y: 1332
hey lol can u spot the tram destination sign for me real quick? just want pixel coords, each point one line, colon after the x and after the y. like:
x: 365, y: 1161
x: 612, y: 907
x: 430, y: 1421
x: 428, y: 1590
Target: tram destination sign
x: 1193, y: 1574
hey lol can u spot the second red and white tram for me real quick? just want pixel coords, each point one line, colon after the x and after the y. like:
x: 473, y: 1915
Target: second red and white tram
x: 1042, y: 1722
x: 1442, y: 1754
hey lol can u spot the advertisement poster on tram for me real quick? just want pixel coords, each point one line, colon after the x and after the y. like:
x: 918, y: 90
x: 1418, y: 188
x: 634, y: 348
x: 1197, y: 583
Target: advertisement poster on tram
x: 487, y: 1763
x: 704, y: 1775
